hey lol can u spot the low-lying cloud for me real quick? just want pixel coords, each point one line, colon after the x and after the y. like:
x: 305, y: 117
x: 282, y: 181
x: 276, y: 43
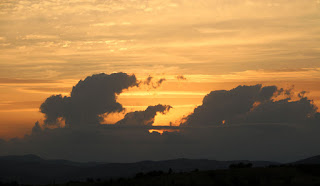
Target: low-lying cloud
x: 248, y: 122
x: 251, y: 104
x: 143, y: 118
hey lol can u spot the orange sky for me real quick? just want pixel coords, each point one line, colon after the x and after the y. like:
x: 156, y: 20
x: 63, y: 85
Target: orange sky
x: 46, y: 47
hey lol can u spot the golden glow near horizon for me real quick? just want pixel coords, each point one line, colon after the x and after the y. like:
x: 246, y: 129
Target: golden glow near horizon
x: 46, y: 47
x: 161, y: 131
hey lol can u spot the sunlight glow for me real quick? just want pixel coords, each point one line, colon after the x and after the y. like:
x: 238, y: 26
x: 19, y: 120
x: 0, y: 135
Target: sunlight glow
x: 161, y: 131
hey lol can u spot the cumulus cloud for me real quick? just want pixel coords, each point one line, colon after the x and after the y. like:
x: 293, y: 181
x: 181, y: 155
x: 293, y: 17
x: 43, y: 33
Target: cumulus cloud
x: 283, y: 111
x: 143, y: 118
x: 256, y: 120
x: 55, y: 107
x: 250, y: 104
x: 88, y: 100
x: 36, y: 128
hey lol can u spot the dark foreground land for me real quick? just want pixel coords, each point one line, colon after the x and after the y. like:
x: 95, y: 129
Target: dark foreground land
x: 236, y: 175
x: 33, y: 170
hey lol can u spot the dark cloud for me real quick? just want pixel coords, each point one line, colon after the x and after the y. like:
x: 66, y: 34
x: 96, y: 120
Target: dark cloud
x: 148, y: 80
x: 288, y: 92
x: 143, y: 118
x: 36, y: 128
x: 277, y: 142
x: 302, y: 94
x: 89, y: 100
x: 181, y: 77
x: 159, y: 82
x: 259, y: 127
x: 223, y: 105
x: 283, y: 111
x: 152, y: 83
x: 250, y: 104
x: 55, y: 107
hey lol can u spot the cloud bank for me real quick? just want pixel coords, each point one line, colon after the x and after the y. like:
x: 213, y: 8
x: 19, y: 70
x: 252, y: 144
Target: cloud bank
x: 251, y: 104
x: 248, y: 122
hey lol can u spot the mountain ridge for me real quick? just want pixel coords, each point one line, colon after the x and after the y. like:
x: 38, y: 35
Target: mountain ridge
x: 32, y: 169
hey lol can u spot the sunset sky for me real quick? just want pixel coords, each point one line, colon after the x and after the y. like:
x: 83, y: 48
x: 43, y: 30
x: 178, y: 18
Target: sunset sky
x: 198, y: 46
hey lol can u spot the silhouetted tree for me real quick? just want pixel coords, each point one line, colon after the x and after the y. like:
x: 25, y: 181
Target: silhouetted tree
x: 90, y: 180
x: 139, y: 174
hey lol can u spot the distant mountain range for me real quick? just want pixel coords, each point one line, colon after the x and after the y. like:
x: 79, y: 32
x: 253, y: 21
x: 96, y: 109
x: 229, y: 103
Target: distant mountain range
x: 31, y: 169
x: 311, y: 160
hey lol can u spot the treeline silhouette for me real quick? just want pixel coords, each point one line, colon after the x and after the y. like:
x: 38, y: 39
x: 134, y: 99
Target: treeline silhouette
x: 237, y: 175
x: 240, y: 165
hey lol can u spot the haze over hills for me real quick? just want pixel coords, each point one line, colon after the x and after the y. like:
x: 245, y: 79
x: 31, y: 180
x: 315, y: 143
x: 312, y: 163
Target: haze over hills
x: 311, y: 160
x: 32, y: 169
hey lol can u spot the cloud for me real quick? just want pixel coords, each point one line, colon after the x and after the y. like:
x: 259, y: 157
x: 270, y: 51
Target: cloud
x: 143, y: 118
x: 250, y: 104
x: 151, y: 83
x: 55, y: 107
x: 88, y: 100
x: 283, y: 111
x: 256, y: 120
x: 159, y: 82
x: 302, y: 94
x: 36, y: 128
x: 148, y: 80
x: 181, y: 77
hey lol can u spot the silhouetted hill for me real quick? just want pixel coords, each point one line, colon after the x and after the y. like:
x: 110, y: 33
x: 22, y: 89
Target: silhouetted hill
x: 25, y: 158
x: 311, y: 160
x: 285, y: 175
x: 31, y: 169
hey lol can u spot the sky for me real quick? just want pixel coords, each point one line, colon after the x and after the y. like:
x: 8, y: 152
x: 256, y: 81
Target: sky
x: 200, y: 46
